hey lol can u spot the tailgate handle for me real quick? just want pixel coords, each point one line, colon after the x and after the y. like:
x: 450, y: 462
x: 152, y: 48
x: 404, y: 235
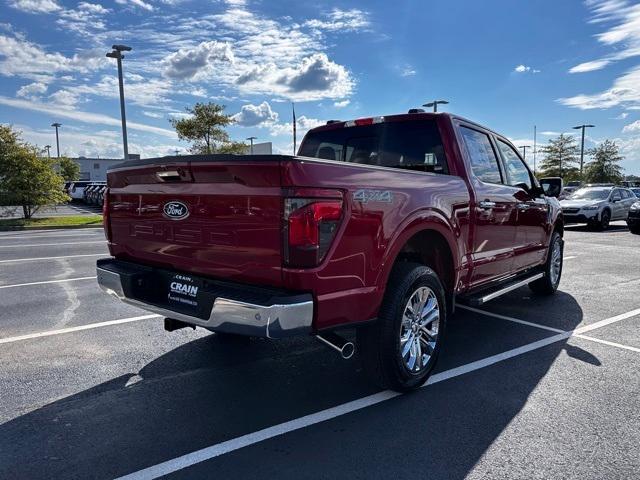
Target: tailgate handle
x: 169, y: 176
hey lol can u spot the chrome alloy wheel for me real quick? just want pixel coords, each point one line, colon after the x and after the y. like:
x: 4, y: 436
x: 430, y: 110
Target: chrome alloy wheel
x: 419, y: 329
x: 556, y: 262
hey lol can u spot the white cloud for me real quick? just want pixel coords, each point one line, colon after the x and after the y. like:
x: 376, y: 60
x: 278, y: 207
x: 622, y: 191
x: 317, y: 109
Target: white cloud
x: 525, y: 68
x: 36, y: 6
x: 56, y: 111
x: 342, y: 21
x: 622, y: 116
x: 32, y: 90
x: 407, y: 71
x: 314, y: 78
x: 632, y: 127
x: 186, y: 64
x: 550, y: 133
x: 342, y: 103
x: 303, y: 124
x: 253, y: 115
x: 623, y: 33
x: 63, y: 97
x: 23, y: 58
x: 137, y: 3
x: 625, y: 92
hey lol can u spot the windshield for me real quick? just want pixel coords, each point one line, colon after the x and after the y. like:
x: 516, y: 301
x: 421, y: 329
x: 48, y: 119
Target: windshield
x: 590, y: 194
x: 414, y: 145
x: 636, y: 192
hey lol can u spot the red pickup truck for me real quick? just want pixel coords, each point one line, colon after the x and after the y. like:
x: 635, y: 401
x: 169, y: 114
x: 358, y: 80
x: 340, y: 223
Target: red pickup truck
x: 382, y: 224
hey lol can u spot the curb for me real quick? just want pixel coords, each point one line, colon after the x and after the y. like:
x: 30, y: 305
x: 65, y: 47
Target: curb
x: 44, y: 227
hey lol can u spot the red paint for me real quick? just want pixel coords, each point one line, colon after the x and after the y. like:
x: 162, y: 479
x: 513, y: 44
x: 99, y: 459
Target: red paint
x: 236, y: 226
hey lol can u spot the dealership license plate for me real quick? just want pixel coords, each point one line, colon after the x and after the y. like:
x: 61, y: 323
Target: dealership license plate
x: 184, y: 292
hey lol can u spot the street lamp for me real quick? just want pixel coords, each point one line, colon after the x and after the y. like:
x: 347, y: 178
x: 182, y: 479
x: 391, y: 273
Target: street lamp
x: 57, y: 125
x: 582, y: 127
x: 117, y: 54
x: 251, y: 139
x: 48, y: 149
x: 524, y: 151
x: 435, y: 104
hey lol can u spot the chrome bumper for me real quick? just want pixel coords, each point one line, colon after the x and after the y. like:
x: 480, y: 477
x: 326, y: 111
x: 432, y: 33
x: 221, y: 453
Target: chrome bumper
x: 287, y: 317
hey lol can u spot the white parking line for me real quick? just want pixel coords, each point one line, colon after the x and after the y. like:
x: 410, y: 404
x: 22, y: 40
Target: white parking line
x: 208, y: 453
x: 607, y: 342
x: 570, y: 257
x: 64, y: 280
x: 49, y: 333
x: 78, y: 232
x: 53, y: 258
x: 51, y: 244
x: 510, y: 319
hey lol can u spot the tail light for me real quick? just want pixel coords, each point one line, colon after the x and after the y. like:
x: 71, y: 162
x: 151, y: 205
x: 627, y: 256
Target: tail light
x: 310, y: 227
x: 105, y: 216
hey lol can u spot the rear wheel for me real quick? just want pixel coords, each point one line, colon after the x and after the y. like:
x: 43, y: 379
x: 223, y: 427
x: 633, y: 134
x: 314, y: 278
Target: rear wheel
x: 605, y: 219
x: 400, y: 350
x: 548, y: 284
x: 635, y: 229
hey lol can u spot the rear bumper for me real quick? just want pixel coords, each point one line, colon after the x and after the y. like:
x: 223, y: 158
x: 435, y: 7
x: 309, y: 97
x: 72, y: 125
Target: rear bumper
x: 238, y: 309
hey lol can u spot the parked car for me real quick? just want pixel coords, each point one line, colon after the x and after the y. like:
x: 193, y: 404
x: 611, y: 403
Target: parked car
x: 597, y: 206
x: 76, y: 189
x: 636, y: 191
x: 567, y: 192
x: 381, y: 224
x: 633, y: 218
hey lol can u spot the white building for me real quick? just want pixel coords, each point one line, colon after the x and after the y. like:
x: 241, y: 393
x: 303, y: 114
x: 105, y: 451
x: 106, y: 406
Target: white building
x: 95, y: 169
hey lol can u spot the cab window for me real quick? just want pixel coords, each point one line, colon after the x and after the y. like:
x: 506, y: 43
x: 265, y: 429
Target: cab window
x: 517, y: 172
x: 484, y: 163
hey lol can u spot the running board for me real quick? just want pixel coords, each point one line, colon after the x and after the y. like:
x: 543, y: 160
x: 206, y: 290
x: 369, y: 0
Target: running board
x: 486, y: 295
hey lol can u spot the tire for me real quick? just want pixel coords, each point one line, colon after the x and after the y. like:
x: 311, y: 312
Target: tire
x: 605, y: 218
x: 548, y: 284
x: 635, y: 229
x: 380, y: 345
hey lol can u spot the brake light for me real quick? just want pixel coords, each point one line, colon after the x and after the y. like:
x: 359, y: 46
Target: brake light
x: 311, y: 225
x: 359, y: 122
x: 106, y: 225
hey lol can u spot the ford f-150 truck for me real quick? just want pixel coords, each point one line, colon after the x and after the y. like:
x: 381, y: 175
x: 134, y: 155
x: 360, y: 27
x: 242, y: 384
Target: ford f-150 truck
x: 380, y: 224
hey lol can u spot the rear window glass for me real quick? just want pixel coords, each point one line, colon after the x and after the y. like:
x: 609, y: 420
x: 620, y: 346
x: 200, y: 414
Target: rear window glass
x: 414, y: 145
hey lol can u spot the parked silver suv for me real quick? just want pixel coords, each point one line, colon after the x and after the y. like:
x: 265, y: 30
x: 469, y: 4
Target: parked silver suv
x: 597, y: 206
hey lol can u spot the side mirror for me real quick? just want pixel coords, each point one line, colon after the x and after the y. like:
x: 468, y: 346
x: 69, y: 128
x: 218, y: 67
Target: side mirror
x: 552, y: 186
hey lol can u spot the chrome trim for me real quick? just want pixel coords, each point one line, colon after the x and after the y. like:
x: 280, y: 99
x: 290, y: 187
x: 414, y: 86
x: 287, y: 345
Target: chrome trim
x: 227, y: 315
x: 511, y: 287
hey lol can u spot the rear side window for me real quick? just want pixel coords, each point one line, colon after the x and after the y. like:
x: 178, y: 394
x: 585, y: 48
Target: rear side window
x: 413, y: 145
x: 483, y: 159
x: 517, y: 172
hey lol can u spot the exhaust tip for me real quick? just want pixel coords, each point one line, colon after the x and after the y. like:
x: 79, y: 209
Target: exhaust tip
x: 347, y: 350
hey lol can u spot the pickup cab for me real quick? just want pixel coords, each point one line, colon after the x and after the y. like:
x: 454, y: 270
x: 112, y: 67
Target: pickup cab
x: 378, y: 224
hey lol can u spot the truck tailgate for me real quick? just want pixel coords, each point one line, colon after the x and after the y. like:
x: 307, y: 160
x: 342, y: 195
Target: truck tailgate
x: 219, y: 218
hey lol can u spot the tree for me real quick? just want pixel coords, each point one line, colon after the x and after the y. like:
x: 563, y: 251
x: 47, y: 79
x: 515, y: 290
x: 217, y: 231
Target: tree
x: 68, y: 169
x: 561, y: 158
x: 604, y: 167
x: 205, y: 128
x: 26, y: 179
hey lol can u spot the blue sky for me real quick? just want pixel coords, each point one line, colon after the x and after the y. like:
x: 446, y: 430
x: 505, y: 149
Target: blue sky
x: 503, y: 63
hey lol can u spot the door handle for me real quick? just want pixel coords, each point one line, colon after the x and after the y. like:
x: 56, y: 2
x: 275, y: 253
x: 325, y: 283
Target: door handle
x: 486, y: 204
x: 522, y: 206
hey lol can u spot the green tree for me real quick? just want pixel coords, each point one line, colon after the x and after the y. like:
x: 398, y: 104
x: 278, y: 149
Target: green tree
x: 561, y: 158
x: 68, y: 169
x: 26, y: 179
x: 604, y: 165
x: 205, y: 129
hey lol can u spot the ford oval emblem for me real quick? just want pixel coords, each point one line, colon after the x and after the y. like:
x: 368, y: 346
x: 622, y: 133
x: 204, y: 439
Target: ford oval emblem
x: 176, y: 210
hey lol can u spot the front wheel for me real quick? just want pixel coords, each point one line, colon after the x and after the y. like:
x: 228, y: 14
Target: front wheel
x: 400, y: 350
x: 635, y: 229
x: 548, y: 284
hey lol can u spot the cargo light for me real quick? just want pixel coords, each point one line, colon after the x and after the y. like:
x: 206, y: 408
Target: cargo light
x: 310, y: 227
x: 359, y: 122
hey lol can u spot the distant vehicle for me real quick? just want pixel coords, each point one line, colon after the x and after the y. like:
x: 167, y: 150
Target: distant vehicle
x: 567, y: 192
x: 76, y: 190
x: 597, y: 206
x: 574, y: 184
x: 633, y: 218
x: 636, y: 191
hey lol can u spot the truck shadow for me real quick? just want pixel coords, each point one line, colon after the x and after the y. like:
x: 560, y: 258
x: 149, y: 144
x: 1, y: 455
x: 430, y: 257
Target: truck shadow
x: 205, y: 392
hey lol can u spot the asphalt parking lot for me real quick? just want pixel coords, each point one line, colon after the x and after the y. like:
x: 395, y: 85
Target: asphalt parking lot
x: 533, y: 387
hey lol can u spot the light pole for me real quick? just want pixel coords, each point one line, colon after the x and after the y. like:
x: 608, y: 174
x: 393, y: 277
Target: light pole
x: 251, y: 139
x: 435, y: 104
x: 57, y: 125
x: 48, y: 149
x: 582, y: 127
x: 117, y: 54
x: 524, y: 151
